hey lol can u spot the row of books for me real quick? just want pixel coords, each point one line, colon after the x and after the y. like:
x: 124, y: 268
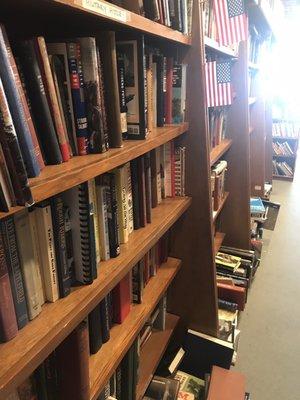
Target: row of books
x: 78, y: 97
x: 59, y: 243
x: 217, y: 125
x: 176, y: 14
x: 218, y: 184
x: 286, y: 129
x: 209, y: 18
x: 256, y: 45
x: 282, y: 149
x: 282, y: 168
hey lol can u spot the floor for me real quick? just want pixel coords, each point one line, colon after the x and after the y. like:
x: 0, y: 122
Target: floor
x: 269, y: 348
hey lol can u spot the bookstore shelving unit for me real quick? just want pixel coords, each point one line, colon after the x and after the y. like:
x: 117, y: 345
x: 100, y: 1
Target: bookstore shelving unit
x: 290, y: 159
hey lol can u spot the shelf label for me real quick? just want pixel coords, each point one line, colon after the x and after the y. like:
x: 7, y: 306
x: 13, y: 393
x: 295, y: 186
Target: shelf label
x: 105, y: 9
x: 256, y: 187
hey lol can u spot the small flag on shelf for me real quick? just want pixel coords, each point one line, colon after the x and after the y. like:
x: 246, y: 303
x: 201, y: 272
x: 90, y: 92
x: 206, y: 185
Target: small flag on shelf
x: 218, y: 83
x: 231, y: 21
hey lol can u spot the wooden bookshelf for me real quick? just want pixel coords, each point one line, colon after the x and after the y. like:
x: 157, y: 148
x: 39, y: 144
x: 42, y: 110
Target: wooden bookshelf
x: 217, y: 152
x: 283, y: 157
x: 216, y: 213
x: 283, y: 177
x: 219, y: 238
x: 222, y: 50
x: 151, y: 354
x: 57, y: 320
x: 104, y: 363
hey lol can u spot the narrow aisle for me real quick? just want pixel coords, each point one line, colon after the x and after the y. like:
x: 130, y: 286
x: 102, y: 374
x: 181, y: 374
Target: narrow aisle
x: 269, y: 349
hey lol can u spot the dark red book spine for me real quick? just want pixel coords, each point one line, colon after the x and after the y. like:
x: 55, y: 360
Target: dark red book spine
x: 169, y: 89
x: 73, y: 365
x: 122, y: 299
x: 8, y: 320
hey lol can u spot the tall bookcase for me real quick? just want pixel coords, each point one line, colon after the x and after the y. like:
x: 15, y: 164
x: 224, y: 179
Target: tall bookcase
x: 190, y: 271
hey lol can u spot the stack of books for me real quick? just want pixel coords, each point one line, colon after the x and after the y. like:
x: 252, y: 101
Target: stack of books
x: 60, y: 242
x: 282, y: 168
x: 218, y: 183
x: 282, y: 149
x: 288, y: 129
x: 72, y: 98
x: 217, y: 125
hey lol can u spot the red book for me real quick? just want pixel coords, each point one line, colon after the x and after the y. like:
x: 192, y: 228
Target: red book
x: 8, y: 321
x: 235, y: 294
x: 73, y: 364
x: 169, y: 91
x: 122, y: 299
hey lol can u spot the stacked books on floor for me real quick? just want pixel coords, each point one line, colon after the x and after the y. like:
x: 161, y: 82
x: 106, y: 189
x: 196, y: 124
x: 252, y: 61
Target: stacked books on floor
x: 174, y: 14
x: 75, y: 97
x: 61, y: 242
x: 287, y: 129
x: 283, y: 168
x: 218, y: 184
x: 282, y: 149
x: 217, y: 125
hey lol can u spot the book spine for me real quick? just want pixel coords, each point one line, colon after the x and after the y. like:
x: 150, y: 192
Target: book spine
x: 59, y: 233
x: 162, y: 170
x: 91, y: 227
x: 94, y: 203
x: 128, y: 190
x: 40, y: 107
x: 177, y: 94
x: 8, y: 321
x: 69, y: 244
x: 41, y: 48
x: 135, y: 193
x: 105, y: 319
x: 8, y: 235
x: 73, y: 364
x: 13, y: 88
x: 78, y: 98
x: 112, y: 215
x: 160, y: 89
x: 142, y: 190
x: 122, y: 94
x: 47, y: 251
x: 95, y: 332
x: 158, y: 175
x: 148, y: 187
x: 40, y: 381
x: 154, y: 194
x: 149, y: 79
x: 92, y: 95
x: 127, y: 375
x: 13, y: 155
x: 52, y: 384
x: 168, y: 98
x: 137, y: 283
x: 120, y: 178
x: 122, y: 299
x: 103, y: 222
x: 108, y: 139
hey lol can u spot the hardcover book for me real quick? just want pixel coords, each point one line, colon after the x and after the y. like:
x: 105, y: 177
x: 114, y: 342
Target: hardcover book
x: 122, y: 299
x: 95, y: 331
x: 103, y: 221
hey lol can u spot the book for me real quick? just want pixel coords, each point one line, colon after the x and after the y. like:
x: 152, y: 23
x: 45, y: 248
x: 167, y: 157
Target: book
x: 94, y: 206
x: 169, y: 91
x: 105, y: 319
x: 154, y: 177
x: 83, y: 235
x: 44, y: 64
x: 9, y: 238
x: 148, y: 194
x: 122, y: 299
x: 13, y: 156
x: 41, y: 382
x: 115, y: 88
x: 96, y: 128
x: 137, y: 283
x: 159, y: 60
x: 8, y: 320
x: 179, y: 93
x: 135, y: 193
x: 101, y: 191
x: 127, y: 366
x: 109, y: 181
x: 190, y: 384
x: 73, y: 364
x: 47, y: 250
x: 76, y: 81
x: 59, y: 233
x: 133, y: 53
x: 121, y: 182
x: 129, y: 198
x: 39, y: 103
x: 30, y: 269
x: 7, y: 196
x: 16, y: 100
x: 232, y: 293
x: 141, y: 191
x: 59, y: 62
x: 51, y: 375
x: 69, y: 244
x: 122, y: 94
x: 162, y: 388
x: 95, y: 331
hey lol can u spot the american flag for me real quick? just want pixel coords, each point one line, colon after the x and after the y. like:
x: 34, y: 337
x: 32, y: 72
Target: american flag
x: 231, y: 21
x: 218, y: 83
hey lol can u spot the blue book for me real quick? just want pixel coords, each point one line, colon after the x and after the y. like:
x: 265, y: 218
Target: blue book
x: 9, y: 76
x: 257, y: 206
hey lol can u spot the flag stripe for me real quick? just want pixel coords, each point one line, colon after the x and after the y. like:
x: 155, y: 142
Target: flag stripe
x: 217, y: 94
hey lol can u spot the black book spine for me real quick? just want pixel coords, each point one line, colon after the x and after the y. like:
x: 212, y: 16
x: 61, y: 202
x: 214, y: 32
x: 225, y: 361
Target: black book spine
x: 59, y: 234
x: 41, y: 382
x: 52, y: 384
x: 160, y: 89
x: 135, y: 193
x: 135, y: 366
x: 92, y: 240
x: 105, y: 323
x: 4, y: 206
x: 112, y: 215
x: 143, y: 106
x: 147, y: 162
x: 227, y: 305
x: 127, y: 375
x: 38, y: 99
x: 118, y: 382
x: 122, y: 95
x: 142, y: 190
x: 12, y: 153
x: 95, y: 329
x: 69, y: 244
x: 7, y: 227
x: 16, y: 108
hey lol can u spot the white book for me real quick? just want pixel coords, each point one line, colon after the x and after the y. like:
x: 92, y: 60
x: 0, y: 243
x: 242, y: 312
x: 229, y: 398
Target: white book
x: 93, y: 202
x: 30, y: 270
x: 168, y: 168
x: 158, y: 175
x: 47, y: 251
x: 128, y: 189
x: 103, y: 222
x: 121, y: 176
x: 35, y: 239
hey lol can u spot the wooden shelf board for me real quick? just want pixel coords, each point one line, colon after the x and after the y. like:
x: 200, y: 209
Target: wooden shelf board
x: 216, y: 213
x: 55, y: 179
x: 151, y: 354
x: 104, y: 363
x: 217, y: 152
x: 214, y: 45
x: 252, y: 100
x: 57, y: 320
x: 291, y: 156
x: 219, y: 237
x: 132, y: 21
x: 283, y: 177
